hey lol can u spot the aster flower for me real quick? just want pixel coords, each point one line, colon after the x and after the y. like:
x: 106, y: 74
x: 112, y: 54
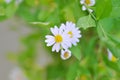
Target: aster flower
x: 110, y: 56
x: 59, y: 39
x: 65, y: 54
x: 72, y: 31
x: 87, y: 3
x: 17, y: 74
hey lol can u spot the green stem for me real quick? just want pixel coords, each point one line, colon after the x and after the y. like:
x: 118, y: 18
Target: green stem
x: 104, y: 33
x: 93, y: 16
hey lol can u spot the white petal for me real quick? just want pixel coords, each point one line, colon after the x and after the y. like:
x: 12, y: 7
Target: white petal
x: 50, y: 43
x: 77, y: 40
x: 54, y: 48
x: 54, y: 30
x: 83, y: 8
x: 57, y: 47
x: 67, y: 24
x: 61, y: 30
x: 92, y: 2
x: 68, y: 44
x: 78, y: 36
x: 64, y: 46
x: 62, y: 52
x: 62, y: 27
x: 67, y: 40
x: 49, y: 36
x: 50, y: 40
x: 74, y: 43
x: 109, y: 54
x: 81, y: 1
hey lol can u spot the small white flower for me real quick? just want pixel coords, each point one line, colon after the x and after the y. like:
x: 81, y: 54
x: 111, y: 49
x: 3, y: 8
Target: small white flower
x: 65, y: 54
x: 73, y: 32
x: 87, y: 3
x: 17, y: 74
x: 59, y: 39
x: 110, y: 56
x: 7, y: 1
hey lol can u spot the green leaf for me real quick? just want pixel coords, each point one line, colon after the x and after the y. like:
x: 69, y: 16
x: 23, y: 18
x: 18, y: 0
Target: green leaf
x: 76, y: 51
x: 56, y: 72
x: 86, y: 22
x: 104, y: 26
x: 116, y: 8
x: 114, y: 39
x: 72, y: 72
x: 107, y: 24
x: 103, y: 8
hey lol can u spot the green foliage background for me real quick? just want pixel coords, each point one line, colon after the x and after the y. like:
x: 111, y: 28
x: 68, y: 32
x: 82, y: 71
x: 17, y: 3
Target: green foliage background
x: 100, y: 30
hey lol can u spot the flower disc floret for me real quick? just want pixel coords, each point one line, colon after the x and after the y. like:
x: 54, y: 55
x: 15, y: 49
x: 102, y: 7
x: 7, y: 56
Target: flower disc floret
x: 65, y: 54
x: 58, y: 38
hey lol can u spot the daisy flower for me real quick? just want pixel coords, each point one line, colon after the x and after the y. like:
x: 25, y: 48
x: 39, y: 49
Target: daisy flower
x: 110, y: 56
x: 59, y: 39
x: 63, y: 38
x: 87, y: 3
x: 72, y: 31
x: 17, y: 74
x: 65, y: 54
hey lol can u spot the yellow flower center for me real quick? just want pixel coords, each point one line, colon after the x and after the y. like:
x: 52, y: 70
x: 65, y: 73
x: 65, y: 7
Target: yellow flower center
x: 87, y: 2
x: 114, y: 59
x: 71, y: 34
x: 58, y: 38
x: 66, y: 54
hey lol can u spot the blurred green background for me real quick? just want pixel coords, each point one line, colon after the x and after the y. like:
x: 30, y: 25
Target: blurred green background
x: 24, y: 24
